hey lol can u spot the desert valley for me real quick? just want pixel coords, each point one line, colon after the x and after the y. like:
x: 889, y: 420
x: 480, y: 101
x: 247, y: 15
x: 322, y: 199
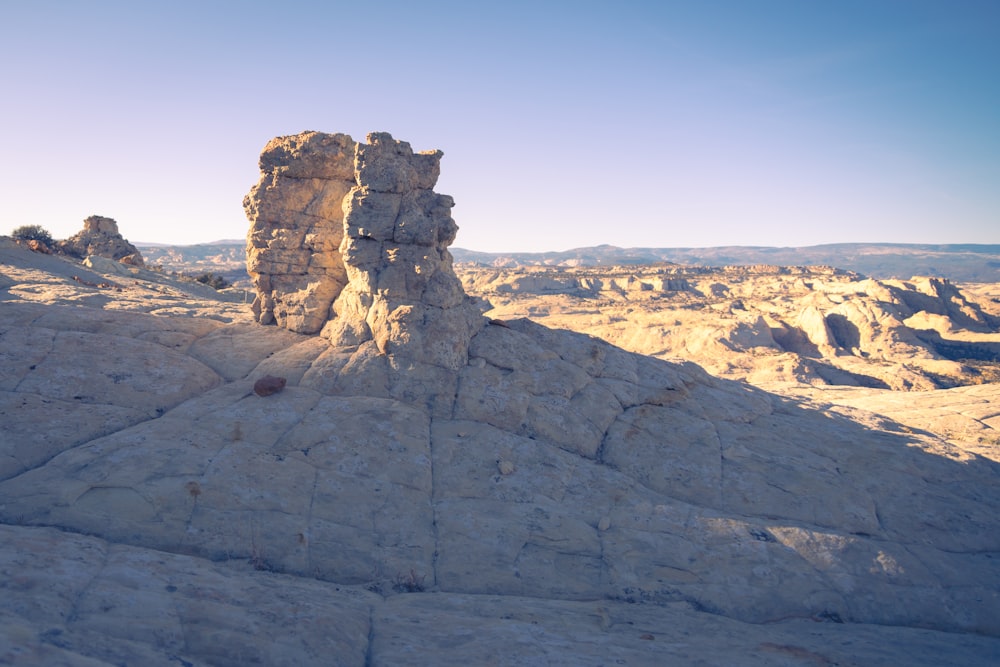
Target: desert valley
x: 367, y: 451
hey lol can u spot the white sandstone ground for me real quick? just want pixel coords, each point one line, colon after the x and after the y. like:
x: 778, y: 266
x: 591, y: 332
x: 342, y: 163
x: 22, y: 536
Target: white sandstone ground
x: 472, y: 492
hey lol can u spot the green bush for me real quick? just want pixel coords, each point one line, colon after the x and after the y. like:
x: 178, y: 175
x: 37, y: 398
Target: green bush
x: 32, y: 233
x: 212, y: 280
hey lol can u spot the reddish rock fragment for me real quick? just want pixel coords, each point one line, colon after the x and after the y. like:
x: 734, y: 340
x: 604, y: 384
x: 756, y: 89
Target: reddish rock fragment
x: 269, y: 384
x: 37, y: 246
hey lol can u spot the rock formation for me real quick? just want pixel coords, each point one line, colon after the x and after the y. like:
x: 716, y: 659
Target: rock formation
x: 402, y: 285
x: 296, y: 228
x: 100, y: 236
x: 400, y: 312
x: 329, y: 211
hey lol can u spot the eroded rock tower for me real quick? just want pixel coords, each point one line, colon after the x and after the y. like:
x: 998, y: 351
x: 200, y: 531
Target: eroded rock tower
x: 350, y: 239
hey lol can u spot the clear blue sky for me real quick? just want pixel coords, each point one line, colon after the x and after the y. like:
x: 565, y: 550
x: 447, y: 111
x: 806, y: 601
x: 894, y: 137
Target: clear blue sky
x: 563, y: 124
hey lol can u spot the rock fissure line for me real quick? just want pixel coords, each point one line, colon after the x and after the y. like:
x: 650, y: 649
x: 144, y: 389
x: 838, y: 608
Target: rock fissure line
x: 72, y: 614
x: 370, y: 646
x: 33, y: 367
x: 433, y: 499
x: 309, y: 521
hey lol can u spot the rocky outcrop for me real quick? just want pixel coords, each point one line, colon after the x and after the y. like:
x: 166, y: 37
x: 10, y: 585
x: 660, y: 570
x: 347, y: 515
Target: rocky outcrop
x: 296, y: 228
x: 395, y: 248
x: 403, y: 313
x: 331, y: 215
x: 398, y: 310
x: 100, y: 237
x: 569, y: 470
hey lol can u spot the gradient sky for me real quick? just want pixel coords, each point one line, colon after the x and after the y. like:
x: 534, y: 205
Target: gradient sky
x: 563, y: 124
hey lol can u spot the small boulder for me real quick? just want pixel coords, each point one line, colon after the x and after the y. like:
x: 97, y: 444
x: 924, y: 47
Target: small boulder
x: 269, y: 384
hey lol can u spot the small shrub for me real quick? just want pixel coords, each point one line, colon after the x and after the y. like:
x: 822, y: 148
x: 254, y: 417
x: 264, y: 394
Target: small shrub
x: 213, y: 281
x: 32, y: 233
x: 409, y: 583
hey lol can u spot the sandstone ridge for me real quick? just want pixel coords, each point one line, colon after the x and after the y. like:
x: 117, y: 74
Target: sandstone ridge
x: 432, y: 487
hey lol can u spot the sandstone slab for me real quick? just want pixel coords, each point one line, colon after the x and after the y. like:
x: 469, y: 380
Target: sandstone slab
x: 431, y: 486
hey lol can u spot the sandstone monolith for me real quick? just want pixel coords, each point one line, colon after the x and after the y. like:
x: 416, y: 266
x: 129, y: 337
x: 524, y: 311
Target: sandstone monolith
x: 387, y: 293
x: 296, y: 227
x: 403, y: 295
x: 100, y: 237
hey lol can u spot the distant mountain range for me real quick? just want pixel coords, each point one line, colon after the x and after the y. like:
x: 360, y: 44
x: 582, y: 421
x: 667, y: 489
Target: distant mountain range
x: 957, y: 262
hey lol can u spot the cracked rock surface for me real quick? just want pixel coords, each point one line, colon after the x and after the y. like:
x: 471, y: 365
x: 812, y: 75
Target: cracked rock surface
x: 530, y: 496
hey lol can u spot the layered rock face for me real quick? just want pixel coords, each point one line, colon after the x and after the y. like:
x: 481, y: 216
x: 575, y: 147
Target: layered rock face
x: 100, y: 236
x: 400, y: 312
x: 330, y: 213
x: 404, y: 313
x: 395, y: 248
x: 296, y: 227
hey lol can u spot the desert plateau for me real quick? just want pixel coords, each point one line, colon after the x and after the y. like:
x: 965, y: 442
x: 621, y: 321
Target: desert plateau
x: 364, y: 452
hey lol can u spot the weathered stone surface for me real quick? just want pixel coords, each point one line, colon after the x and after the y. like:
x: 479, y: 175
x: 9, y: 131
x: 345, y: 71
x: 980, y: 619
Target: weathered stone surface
x: 116, y: 371
x: 967, y: 417
x: 403, y: 293
x: 100, y: 236
x: 53, y: 282
x: 384, y: 259
x: 296, y: 216
x: 502, y: 630
x: 35, y: 428
x: 433, y: 488
x: 706, y: 491
x: 76, y: 600
x: 99, y: 603
x: 234, y: 350
x: 107, y: 266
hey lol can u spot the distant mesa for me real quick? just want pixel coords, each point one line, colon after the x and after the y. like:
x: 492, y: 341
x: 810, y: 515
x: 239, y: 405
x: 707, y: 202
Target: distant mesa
x: 100, y: 237
x: 959, y: 262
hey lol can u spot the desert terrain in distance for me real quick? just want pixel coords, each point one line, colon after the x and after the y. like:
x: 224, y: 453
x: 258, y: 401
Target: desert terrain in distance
x: 896, y: 347
x: 364, y: 457
x: 828, y: 333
